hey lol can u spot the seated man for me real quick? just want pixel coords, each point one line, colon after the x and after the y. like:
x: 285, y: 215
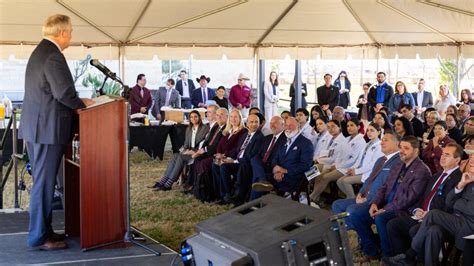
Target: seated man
x: 394, y: 198
x: 403, y: 228
x: 437, y: 225
x: 377, y: 178
x: 302, y: 116
x: 249, y: 145
x: 262, y: 162
x: 292, y: 160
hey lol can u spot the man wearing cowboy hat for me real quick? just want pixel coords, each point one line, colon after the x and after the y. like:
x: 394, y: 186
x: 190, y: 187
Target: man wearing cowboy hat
x: 202, y: 94
x: 240, y: 95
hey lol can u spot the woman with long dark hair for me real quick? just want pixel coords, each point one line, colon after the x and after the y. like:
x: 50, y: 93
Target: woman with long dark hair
x: 304, y: 93
x: 363, y: 104
x: 272, y: 95
x: 195, y: 133
x: 453, y: 131
x: 403, y: 127
x: 316, y: 112
x: 467, y: 98
x: 342, y: 82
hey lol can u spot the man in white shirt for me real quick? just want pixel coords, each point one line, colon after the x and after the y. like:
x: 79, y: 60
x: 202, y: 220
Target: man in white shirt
x: 185, y: 87
x: 306, y: 130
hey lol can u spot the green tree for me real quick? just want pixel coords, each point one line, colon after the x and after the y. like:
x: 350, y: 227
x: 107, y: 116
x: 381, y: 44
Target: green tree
x: 448, y: 73
x: 94, y: 81
x: 170, y: 69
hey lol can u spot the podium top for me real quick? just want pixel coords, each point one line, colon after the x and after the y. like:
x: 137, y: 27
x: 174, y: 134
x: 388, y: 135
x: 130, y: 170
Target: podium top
x: 101, y: 100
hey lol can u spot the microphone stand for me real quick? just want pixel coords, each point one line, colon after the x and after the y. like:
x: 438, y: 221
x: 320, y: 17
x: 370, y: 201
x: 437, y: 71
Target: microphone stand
x: 101, y: 90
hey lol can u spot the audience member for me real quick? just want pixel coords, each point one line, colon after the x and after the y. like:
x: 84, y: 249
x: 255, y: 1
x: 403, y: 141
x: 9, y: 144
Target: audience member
x: 220, y: 98
x: 240, y: 96
x: 444, y: 100
x: 432, y: 153
x: 363, y: 104
x: 453, y: 130
x: 423, y: 99
x: 201, y: 95
x: 403, y: 127
x: 306, y: 130
x: 400, y: 98
x: 272, y: 95
x: 304, y: 93
x: 379, y: 94
x: 285, y: 115
x: 417, y: 125
x: 185, y: 87
x: 166, y: 96
x: 344, y: 85
x: 140, y: 97
x: 328, y: 94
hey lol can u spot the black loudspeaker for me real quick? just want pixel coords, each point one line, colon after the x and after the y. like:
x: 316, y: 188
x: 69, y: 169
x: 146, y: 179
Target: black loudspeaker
x: 270, y: 231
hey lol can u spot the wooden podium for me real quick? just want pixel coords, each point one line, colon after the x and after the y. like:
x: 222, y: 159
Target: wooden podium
x: 95, y: 189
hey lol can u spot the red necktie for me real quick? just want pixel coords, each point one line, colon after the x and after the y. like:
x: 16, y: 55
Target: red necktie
x: 267, y: 153
x: 426, y: 202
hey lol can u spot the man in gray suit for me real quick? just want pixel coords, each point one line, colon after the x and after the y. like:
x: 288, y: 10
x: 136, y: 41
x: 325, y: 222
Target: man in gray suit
x: 167, y: 96
x: 423, y: 99
x: 46, y: 120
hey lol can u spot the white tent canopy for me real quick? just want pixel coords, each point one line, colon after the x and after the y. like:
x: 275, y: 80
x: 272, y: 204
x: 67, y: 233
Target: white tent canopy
x: 241, y: 29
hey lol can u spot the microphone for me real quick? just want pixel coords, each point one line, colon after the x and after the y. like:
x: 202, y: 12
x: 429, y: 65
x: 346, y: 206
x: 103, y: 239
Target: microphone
x: 107, y: 72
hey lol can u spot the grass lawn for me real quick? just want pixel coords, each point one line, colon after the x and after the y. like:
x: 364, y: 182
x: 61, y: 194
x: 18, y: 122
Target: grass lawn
x: 167, y: 216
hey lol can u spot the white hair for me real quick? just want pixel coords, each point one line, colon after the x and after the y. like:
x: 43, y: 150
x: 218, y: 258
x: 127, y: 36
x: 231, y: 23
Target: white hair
x: 55, y: 24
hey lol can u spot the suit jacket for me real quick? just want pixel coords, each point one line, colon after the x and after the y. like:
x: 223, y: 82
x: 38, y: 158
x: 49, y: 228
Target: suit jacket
x: 160, y: 100
x: 267, y: 140
x: 297, y: 160
x: 427, y: 99
x: 463, y: 203
x: 373, y: 186
x: 372, y: 98
x: 409, y: 190
x: 179, y: 87
x: 439, y: 200
x: 50, y: 97
x: 418, y: 128
x: 137, y: 101
x: 431, y: 155
x: 196, y: 97
x: 330, y: 97
x: 200, y: 135
x: 230, y: 146
x: 252, y: 148
x: 211, y: 147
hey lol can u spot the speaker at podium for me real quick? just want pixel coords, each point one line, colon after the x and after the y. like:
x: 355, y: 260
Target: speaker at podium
x: 270, y: 231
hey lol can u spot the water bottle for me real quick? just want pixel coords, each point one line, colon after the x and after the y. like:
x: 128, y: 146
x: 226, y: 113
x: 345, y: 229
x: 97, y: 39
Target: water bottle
x: 76, y: 148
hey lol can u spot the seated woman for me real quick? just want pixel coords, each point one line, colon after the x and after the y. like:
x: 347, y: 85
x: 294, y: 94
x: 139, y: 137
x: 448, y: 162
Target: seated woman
x: 431, y: 118
x: 403, y: 127
x: 468, y: 129
x: 316, y: 112
x: 452, y: 109
x: 195, y: 133
x: 220, y: 99
x: 351, y: 151
x: 381, y: 119
x: 363, y: 166
x: 432, y: 153
x: 453, y: 131
x: 469, y: 154
x: 323, y: 137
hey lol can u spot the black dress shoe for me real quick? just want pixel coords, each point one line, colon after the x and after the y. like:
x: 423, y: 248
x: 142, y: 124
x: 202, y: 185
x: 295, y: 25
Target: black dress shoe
x: 156, y: 185
x: 160, y: 188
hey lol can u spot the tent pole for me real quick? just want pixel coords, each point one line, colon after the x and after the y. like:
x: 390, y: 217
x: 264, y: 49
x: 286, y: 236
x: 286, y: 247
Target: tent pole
x: 458, y: 72
x: 298, y: 96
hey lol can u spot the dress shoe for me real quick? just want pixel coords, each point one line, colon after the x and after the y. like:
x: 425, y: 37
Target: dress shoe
x: 57, y: 237
x: 368, y: 259
x: 51, y: 245
x: 262, y: 186
x: 156, y: 185
x: 225, y: 200
x: 162, y: 188
x: 400, y: 259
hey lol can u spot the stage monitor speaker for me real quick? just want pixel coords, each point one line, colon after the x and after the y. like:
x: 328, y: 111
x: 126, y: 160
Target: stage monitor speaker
x: 270, y: 231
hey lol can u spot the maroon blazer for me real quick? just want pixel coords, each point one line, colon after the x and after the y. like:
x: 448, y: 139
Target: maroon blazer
x: 409, y: 190
x: 136, y: 101
x: 431, y: 155
x: 230, y: 147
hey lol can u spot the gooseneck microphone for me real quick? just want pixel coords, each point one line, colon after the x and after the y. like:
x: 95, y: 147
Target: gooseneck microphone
x: 107, y: 72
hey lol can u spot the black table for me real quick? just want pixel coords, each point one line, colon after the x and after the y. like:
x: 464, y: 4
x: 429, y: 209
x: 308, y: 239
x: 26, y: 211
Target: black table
x: 152, y: 139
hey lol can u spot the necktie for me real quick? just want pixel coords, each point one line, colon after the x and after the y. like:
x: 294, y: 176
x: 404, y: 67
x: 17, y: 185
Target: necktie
x: 244, y: 145
x: 214, y: 137
x: 375, y: 172
x: 204, y: 95
x: 185, y: 84
x: 288, y: 144
x: 168, y: 94
x: 269, y: 150
x: 427, y: 201
x: 141, y: 92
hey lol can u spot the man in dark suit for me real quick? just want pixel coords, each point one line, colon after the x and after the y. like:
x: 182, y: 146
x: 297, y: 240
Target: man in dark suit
x: 202, y: 94
x: 292, y: 160
x: 423, y: 99
x: 185, y: 87
x: 328, y: 94
x: 379, y: 94
x: 167, y: 96
x: 262, y: 162
x: 248, y: 147
x: 140, y: 97
x: 400, y: 192
x: 403, y: 228
x: 46, y: 121
x: 418, y: 128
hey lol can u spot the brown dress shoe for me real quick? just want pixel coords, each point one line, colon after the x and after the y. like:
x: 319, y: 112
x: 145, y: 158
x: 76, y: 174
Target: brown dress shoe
x: 51, y: 245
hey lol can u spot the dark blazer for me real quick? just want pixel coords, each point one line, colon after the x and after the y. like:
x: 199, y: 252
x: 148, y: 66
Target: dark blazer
x: 50, y: 97
x: 455, y: 134
x: 418, y: 127
x: 372, y: 98
x: 373, y: 186
x: 439, y: 200
x: 463, y: 203
x: 179, y: 87
x: 431, y: 155
x: 326, y: 96
x: 136, y: 101
x: 252, y: 148
x: 427, y: 99
x: 196, y: 97
x: 200, y: 135
x: 409, y: 190
x: 267, y: 140
x: 211, y: 147
x: 297, y: 160
x: 344, y: 99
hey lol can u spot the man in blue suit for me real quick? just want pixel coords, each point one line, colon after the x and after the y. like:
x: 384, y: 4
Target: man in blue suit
x: 292, y: 160
x: 423, y: 99
x: 202, y: 94
x: 377, y: 177
x: 46, y: 120
x: 185, y: 87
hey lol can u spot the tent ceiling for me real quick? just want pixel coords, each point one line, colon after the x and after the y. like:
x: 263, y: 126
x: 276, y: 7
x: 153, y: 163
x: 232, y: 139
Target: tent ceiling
x: 195, y: 24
